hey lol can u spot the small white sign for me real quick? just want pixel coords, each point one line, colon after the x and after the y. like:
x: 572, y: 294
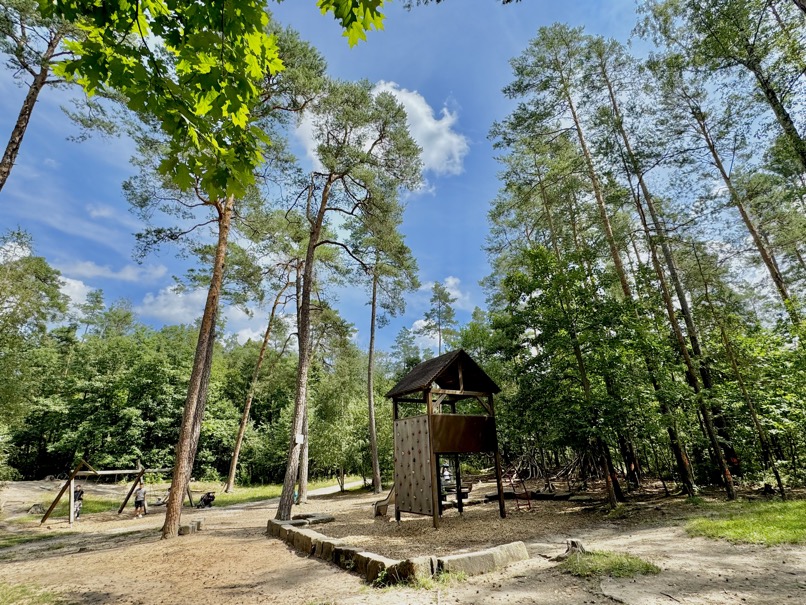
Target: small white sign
x: 300, y: 439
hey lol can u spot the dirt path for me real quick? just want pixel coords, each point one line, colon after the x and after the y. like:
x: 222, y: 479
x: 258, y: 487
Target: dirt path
x: 109, y: 560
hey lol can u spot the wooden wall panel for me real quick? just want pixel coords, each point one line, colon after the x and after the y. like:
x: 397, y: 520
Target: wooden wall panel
x: 463, y: 433
x: 412, y: 466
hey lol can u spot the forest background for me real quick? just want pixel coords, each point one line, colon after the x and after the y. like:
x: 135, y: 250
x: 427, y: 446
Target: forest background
x: 644, y: 302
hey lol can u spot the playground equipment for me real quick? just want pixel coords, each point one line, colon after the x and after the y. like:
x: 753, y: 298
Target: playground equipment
x: 421, y: 439
x: 381, y: 506
x: 91, y: 472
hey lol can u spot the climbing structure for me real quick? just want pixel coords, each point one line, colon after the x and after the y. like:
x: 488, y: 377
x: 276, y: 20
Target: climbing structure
x: 425, y: 432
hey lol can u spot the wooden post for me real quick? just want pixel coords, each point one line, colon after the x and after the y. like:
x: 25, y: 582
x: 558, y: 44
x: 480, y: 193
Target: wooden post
x: 501, y: 506
x: 137, y: 479
x: 435, y: 502
x: 61, y: 492
x: 190, y: 496
x: 458, y: 478
x: 72, y: 500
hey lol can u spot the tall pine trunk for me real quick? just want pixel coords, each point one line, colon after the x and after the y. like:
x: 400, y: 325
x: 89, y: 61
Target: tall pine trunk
x: 24, y: 116
x: 304, y: 364
x: 373, y: 435
x: 687, y: 475
x: 736, y: 200
x: 302, y: 481
x: 199, y: 379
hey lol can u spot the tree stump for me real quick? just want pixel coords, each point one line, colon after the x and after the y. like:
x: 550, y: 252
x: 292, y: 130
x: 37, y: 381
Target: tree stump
x: 572, y: 547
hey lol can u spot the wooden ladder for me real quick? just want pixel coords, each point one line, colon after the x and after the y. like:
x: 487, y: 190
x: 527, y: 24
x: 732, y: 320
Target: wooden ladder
x: 519, y: 490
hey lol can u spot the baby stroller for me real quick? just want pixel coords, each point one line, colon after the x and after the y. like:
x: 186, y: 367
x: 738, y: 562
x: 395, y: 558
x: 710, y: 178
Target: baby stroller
x: 206, y: 501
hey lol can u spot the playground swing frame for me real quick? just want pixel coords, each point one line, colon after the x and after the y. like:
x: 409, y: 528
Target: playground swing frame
x: 91, y: 472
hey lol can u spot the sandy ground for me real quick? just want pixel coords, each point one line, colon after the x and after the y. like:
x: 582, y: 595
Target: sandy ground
x: 111, y: 559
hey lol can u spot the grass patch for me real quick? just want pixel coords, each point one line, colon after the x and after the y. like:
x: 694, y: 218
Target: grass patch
x: 11, y: 594
x: 241, y: 495
x: 13, y: 539
x: 767, y: 523
x: 620, y: 512
x: 253, y: 493
x: 92, y: 504
x: 439, y: 580
x: 606, y: 563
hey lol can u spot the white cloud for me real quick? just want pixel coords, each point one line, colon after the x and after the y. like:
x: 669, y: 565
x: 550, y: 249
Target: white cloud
x: 444, y: 149
x: 129, y: 273
x: 255, y: 335
x: 173, y: 305
x: 453, y: 286
x: 244, y: 327
x: 100, y: 211
x: 51, y: 163
x: 13, y: 251
x: 76, y: 290
x: 421, y: 340
x: 462, y: 298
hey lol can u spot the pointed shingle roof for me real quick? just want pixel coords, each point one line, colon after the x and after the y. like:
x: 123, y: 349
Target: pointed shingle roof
x: 444, y: 370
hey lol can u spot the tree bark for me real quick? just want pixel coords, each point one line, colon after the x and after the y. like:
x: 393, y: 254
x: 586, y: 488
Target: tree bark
x: 735, y: 198
x: 603, y: 455
x: 304, y: 364
x: 24, y: 116
x: 199, y: 379
x: 660, y: 230
x: 753, y: 64
x: 373, y: 436
x: 632, y: 468
x: 302, y: 483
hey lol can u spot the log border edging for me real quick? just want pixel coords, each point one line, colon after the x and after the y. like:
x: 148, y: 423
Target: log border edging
x: 379, y: 569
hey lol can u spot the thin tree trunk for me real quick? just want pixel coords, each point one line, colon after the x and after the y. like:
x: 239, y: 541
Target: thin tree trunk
x: 233, y: 467
x: 771, y: 95
x: 597, y: 191
x: 302, y: 485
x: 611, y: 471
x: 199, y: 380
x: 603, y: 455
x: 24, y: 116
x: 304, y: 364
x: 729, y: 451
x: 735, y: 198
x: 766, y: 450
x: 691, y: 374
x: 632, y: 470
x: 373, y: 436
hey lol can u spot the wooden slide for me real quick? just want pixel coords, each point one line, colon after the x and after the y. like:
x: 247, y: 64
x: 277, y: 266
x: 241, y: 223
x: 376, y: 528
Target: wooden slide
x: 381, y: 506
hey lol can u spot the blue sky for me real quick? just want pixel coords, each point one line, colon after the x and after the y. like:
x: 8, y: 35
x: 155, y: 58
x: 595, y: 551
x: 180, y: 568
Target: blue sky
x: 447, y: 63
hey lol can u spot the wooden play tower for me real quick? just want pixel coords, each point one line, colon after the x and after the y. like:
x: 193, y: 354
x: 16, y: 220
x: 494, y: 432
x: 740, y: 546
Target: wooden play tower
x: 421, y: 439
